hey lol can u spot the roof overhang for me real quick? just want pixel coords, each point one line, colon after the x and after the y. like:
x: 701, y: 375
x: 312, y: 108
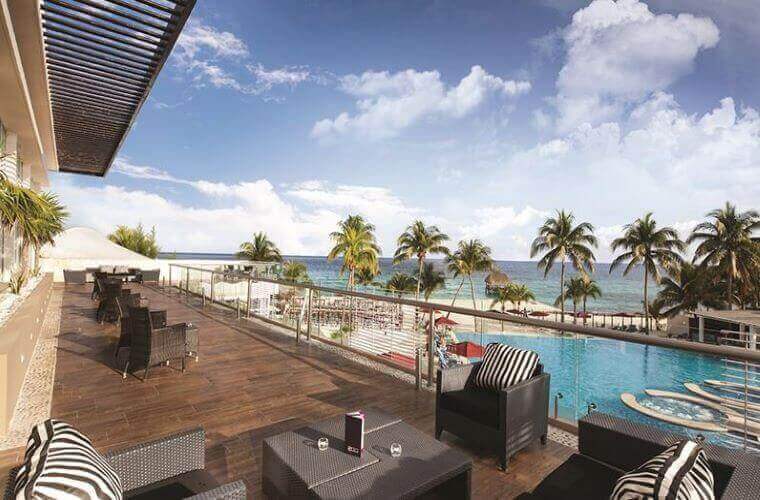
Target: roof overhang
x: 24, y: 104
x: 102, y: 59
x: 748, y: 317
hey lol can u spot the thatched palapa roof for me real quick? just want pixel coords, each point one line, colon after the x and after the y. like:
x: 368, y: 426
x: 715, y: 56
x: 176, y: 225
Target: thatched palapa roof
x: 497, y: 278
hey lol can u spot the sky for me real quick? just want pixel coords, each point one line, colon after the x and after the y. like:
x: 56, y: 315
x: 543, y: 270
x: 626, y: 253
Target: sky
x: 482, y: 118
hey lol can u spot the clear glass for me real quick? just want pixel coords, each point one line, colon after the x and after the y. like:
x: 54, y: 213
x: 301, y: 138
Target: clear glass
x: 396, y: 450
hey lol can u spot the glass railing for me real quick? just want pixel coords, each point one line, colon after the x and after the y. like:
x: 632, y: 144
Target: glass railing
x: 693, y: 388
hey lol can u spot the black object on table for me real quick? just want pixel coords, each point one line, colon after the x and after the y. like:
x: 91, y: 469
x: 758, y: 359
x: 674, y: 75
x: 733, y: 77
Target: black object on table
x: 293, y: 465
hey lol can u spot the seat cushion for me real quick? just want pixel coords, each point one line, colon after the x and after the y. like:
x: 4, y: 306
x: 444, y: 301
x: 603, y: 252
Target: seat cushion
x: 578, y: 477
x: 480, y: 405
x: 681, y: 471
x: 60, y: 462
x: 504, y: 366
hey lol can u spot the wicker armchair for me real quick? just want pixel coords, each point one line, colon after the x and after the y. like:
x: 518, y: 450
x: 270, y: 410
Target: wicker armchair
x: 108, y: 292
x: 609, y: 446
x: 149, y: 276
x: 508, y: 420
x: 166, y: 466
x: 151, y: 345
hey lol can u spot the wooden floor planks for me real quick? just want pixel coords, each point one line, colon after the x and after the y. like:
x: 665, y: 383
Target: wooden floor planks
x: 251, y: 382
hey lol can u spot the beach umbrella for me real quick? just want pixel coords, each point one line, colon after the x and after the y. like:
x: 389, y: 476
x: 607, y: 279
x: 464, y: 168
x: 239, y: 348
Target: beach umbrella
x: 466, y: 349
x: 540, y: 314
x: 443, y: 320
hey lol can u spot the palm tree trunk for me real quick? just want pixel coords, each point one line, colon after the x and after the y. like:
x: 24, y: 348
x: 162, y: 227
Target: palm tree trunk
x: 502, y: 312
x: 562, y: 292
x: 646, y: 302
x: 419, y: 278
x: 474, y: 306
x: 575, y: 311
x: 730, y: 289
x: 454, y: 301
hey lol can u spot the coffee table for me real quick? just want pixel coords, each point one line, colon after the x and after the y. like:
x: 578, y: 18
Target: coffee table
x: 293, y: 466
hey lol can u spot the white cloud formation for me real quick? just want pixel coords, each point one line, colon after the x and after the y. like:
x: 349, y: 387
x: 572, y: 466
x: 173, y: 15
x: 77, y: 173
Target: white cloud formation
x: 618, y: 52
x: 491, y: 221
x: 222, y: 60
x: 388, y: 103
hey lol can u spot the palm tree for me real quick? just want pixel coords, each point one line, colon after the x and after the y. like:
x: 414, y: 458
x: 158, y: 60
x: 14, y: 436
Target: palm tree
x: 355, y: 242
x: 431, y: 280
x: 401, y: 283
x: 561, y: 240
x: 646, y: 245
x: 573, y: 290
x: 295, y: 271
x: 136, y: 239
x: 503, y: 294
x: 260, y: 249
x: 39, y: 217
x: 470, y: 257
x: 367, y: 276
x: 521, y: 293
x: 589, y: 288
x: 685, y: 289
x: 728, y: 243
x: 419, y: 241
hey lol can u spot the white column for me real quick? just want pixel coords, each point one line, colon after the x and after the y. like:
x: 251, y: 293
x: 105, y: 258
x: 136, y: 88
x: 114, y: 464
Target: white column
x: 752, y: 338
x: 701, y: 337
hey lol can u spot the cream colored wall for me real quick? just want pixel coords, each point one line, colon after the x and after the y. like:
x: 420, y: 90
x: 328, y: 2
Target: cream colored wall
x: 18, y: 337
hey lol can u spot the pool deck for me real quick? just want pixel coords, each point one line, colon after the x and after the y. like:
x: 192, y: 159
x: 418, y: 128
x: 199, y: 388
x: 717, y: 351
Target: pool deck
x: 251, y: 383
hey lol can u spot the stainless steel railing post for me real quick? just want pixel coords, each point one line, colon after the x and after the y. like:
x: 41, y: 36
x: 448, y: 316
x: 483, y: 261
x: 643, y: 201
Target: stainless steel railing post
x: 418, y: 368
x: 212, y: 287
x: 187, y: 283
x: 237, y: 304
x: 431, y: 349
x: 248, y: 300
x: 308, y: 317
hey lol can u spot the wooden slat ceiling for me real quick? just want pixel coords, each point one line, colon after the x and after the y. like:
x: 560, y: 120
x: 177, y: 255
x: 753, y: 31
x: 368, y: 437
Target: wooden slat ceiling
x: 102, y: 59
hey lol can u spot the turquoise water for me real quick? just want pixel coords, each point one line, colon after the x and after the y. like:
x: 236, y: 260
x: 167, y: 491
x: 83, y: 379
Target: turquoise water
x: 598, y: 370
x: 619, y: 293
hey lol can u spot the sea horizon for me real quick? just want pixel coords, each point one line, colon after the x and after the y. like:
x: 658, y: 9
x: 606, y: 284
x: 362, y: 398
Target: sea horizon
x: 619, y: 293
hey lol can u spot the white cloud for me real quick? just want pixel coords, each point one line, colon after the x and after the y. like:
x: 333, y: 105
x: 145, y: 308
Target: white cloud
x: 222, y: 60
x: 490, y: 221
x: 618, y: 52
x: 388, y: 103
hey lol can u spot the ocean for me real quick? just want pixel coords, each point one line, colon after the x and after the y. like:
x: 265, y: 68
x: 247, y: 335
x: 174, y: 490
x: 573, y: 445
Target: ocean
x: 619, y: 293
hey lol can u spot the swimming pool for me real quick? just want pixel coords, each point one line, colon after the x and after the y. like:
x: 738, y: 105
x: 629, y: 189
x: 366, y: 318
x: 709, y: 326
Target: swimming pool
x: 595, y: 370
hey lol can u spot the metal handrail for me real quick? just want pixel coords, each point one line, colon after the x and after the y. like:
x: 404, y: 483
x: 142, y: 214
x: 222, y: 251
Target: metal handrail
x: 738, y: 353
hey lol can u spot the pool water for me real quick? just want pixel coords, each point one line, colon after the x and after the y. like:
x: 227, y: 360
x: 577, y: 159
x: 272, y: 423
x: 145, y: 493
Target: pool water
x: 594, y: 370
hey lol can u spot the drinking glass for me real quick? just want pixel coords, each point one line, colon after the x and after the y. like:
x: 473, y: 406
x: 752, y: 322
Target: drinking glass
x: 323, y: 443
x: 395, y: 450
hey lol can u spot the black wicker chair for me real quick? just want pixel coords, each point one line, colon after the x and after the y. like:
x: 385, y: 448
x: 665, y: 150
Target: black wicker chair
x: 610, y: 446
x: 157, y: 318
x: 170, y: 467
x: 108, y: 293
x: 149, y: 276
x: 507, y: 420
x: 151, y: 345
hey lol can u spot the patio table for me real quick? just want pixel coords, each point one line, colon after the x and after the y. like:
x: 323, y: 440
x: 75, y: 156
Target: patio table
x: 293, y: 466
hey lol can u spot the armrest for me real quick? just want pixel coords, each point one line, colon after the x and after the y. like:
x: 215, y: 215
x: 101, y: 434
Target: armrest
x: 230, y: 491
x: 454, y: 378
x: 161, y: 459
x: 527, y: 400
x: 170, y: 340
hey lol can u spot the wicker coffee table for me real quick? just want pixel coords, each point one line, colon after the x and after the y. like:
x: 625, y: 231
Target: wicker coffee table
x: 293, y: 466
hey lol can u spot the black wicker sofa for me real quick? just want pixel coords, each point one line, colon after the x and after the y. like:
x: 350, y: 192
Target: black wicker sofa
x: 168, y: 468
x: 609, y: 446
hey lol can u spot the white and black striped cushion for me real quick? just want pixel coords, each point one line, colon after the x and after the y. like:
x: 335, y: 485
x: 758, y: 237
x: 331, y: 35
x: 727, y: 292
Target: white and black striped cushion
x: 681, y: 472
x: 60, y: 462
x: 504, y: 366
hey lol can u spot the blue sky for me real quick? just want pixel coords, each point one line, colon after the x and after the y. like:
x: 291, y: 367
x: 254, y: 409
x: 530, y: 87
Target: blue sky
x: 480, y: 117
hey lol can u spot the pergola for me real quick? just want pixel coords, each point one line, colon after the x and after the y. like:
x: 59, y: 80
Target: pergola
x: 102, y: 58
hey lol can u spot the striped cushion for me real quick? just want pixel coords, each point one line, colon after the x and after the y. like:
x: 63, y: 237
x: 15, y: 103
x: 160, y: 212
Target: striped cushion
x: 504, y: 366
x: 681, y: 472
x: 60, y: 462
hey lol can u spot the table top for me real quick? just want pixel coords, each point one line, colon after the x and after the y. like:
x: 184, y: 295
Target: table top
x: 334, y: 473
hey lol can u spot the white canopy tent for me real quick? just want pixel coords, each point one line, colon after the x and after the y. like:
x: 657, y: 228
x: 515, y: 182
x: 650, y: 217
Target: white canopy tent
x: 78, y: 248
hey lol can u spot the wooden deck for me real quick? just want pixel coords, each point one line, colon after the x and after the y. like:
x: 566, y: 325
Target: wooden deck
x: 250, y: 383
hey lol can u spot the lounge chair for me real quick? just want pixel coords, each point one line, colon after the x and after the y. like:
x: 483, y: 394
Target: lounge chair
x: 151, y: 345
x: 507, y: 421
x: 609, y: 446
x: 169, y: 467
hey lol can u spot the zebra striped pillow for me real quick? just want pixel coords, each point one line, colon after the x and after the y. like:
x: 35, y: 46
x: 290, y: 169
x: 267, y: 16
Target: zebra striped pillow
x: 504, y: 366
x: 681, y: 472
x: 60, y: 462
